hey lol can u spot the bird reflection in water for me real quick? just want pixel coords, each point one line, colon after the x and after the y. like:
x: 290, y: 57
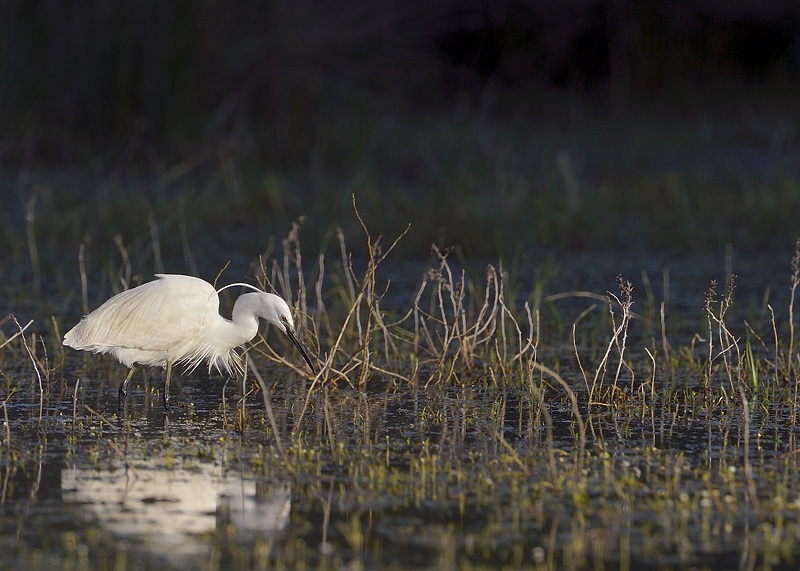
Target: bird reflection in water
x: 172, y: 512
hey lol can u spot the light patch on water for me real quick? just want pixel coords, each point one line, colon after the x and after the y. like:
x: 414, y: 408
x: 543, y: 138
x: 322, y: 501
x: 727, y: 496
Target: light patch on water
x: 173, y: 511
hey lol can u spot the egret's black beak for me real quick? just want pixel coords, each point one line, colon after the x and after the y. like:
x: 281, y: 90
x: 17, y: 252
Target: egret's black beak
x: 296, y: 341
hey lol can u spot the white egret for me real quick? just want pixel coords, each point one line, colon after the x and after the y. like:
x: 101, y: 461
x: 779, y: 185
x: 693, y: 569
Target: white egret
x: 175, y: 320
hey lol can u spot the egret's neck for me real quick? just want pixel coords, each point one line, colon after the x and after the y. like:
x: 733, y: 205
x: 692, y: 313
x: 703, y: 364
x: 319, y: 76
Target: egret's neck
x: 243, y: 325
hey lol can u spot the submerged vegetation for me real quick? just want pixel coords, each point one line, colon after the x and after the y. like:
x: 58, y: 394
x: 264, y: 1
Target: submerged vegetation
x: 478, y: 425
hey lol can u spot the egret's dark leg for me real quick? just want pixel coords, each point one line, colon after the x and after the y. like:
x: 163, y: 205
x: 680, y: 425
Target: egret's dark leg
x: 123, y: 389
x: 166, y: 385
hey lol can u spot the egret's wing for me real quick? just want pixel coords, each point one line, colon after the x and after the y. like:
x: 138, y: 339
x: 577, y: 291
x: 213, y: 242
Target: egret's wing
x: 163, y: 315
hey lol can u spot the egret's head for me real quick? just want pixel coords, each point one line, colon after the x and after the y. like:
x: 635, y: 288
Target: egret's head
x: 283, y: 315
x: 278, y: 313
x: 273, y: 309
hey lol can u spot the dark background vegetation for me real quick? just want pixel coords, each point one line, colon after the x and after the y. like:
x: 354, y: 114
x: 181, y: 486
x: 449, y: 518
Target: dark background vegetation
x: 498, y: 127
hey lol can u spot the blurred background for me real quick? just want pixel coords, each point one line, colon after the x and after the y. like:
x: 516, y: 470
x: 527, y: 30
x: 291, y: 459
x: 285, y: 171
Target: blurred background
x: 499, y: 127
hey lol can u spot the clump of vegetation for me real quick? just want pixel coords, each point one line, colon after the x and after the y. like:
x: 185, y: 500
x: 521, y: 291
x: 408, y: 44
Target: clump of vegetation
x: 638, y: 451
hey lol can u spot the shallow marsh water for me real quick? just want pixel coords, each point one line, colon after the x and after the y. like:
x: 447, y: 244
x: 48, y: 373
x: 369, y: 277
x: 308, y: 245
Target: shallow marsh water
x: 393, y: 478
x: 472, y: 474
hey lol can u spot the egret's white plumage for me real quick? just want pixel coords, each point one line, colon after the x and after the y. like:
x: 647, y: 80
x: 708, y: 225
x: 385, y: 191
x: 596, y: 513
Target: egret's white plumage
x: 175, y: 320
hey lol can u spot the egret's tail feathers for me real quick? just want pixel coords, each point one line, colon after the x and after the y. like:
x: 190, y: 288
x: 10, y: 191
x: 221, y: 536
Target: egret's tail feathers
x: 74, y: 337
